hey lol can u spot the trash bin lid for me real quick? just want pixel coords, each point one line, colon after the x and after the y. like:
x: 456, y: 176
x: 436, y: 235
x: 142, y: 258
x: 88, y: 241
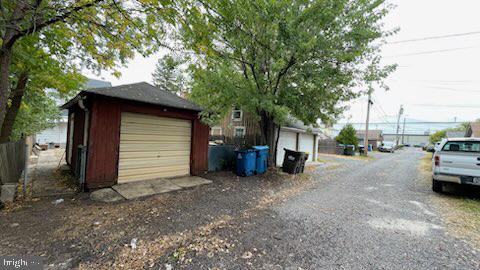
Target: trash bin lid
x: 244, y: 150
x: 261, y: 147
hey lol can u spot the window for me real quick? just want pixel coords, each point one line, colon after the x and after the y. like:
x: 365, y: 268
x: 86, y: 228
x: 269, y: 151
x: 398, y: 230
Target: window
x: 237, y: 114
x: 216, y: 131
x: 473, y: 146
x: 239, y: 132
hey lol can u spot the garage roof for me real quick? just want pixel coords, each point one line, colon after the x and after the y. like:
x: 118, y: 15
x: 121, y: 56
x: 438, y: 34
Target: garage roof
x: 141, y: 92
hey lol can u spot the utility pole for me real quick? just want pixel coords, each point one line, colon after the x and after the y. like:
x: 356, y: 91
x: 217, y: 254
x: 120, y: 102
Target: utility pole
x: 398, y: 123
x: 403, y: 131
x: 365, y: 140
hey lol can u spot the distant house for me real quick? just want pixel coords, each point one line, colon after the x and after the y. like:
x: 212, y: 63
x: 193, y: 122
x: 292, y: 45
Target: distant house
x: 57, y: 135
x: 455, y: 134
x: 134, y: 132
x: 237, y: 124
x: 294, y: 136
x: 411, y: 139
x: 375, y: 137
x: 473, y: 130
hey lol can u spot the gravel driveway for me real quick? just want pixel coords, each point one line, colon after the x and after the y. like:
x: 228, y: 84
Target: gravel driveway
x: 362, y: 215
x: 350, y: 214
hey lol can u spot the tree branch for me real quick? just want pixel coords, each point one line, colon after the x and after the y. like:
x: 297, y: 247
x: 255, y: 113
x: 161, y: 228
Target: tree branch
x: 282, y: 73
x: 55, y: 19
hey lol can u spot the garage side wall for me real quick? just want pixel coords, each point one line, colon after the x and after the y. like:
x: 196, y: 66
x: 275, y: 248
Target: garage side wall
x: 104, y: 139
x: 199, y: 155
x: 78, y: 125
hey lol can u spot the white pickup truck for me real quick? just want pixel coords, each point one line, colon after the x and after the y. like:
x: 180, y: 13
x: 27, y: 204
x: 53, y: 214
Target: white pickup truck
x: 456, y: 161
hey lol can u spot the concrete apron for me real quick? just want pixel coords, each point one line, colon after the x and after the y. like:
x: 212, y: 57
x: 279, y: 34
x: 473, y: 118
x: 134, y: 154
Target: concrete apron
x: 140, y: 189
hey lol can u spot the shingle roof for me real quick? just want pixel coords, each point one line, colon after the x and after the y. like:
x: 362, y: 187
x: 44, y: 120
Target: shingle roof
x: 295, y: 123
x: 455, y: 134
x: 141, y: 92
x: 373, y: 134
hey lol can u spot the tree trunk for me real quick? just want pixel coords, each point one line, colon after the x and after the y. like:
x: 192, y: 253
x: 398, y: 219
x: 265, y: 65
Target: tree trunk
x: 6, y: 51
x: 5, y: 60
x: 16, y: 100
x: 269, y: 134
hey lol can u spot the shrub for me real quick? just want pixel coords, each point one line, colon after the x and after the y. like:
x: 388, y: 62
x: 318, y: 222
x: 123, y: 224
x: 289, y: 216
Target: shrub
x: 348, y: 135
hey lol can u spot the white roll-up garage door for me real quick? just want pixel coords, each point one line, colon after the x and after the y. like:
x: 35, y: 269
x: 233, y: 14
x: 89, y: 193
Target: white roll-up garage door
x: 287, y: 140
x: 305, y: 144
x: 153, y: 147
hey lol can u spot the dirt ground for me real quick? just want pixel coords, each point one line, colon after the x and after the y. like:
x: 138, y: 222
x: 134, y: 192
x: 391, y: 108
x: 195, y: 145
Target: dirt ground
x: 174, y: 228
x: 377, y: 213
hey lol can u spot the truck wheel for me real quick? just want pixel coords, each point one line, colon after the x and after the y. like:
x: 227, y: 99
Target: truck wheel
x: 437, y: 186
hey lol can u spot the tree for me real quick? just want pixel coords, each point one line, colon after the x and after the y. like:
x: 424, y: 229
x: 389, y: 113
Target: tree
x: 34, y: 72
x: 438, y: 136
x: 348, y: 135
x: 280, y: 58
x: 37, y: 112
x: 95, y: 34
x: 170, y: 75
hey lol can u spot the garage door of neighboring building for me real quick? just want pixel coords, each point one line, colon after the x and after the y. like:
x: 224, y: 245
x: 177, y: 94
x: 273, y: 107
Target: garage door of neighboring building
x: 305, y: 144
x: 153, y: 147
x: 287, y: 140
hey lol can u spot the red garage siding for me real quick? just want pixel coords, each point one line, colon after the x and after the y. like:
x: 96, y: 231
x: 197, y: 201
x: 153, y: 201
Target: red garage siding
x: 104, y: 137
x: 78, y: 125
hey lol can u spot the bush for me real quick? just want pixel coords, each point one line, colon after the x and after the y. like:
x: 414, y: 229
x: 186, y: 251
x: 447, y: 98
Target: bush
x: 348, y: 135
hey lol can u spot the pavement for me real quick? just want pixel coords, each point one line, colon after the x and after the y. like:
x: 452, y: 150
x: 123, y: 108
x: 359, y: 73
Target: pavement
x: 139, y: 189
x: 365, y: 214
x: 46, y: 176
x: 349, y: 213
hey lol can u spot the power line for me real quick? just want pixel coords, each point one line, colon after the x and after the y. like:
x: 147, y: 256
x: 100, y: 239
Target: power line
x: 452, y: 89
x: 435, y: 37
x: 420, y: 123
x: 448, y: 105
x: 433, y: 51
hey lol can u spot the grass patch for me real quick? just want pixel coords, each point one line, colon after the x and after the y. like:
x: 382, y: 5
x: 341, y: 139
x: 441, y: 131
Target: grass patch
x: 461, y: 214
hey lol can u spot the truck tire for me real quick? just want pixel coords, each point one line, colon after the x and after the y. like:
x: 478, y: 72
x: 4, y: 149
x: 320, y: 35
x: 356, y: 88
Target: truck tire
x: 437, y: 186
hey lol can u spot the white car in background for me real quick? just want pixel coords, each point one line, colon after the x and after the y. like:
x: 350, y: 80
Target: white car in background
x: 456, y: 161
x: 387, y: 147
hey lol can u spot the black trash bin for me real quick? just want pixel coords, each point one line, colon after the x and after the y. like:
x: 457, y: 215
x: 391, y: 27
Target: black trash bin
x: 294, y: 161
x: 349, y: 150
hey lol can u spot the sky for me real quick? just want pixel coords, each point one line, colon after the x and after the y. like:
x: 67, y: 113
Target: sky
x: 443, y: 85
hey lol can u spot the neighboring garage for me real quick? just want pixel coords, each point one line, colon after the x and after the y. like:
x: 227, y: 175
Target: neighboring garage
x: 298, y: 138
x: 134, y: 132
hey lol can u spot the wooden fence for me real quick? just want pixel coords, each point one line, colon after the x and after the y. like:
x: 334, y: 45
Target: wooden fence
x: 12, y: 161
x: 329, y: 146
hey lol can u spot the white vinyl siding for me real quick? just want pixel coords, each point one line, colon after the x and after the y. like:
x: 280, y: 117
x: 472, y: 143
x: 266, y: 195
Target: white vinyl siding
x: 305, y: 144
x: 56, y: 134
x: 153, y: 147
x: 287, y: 140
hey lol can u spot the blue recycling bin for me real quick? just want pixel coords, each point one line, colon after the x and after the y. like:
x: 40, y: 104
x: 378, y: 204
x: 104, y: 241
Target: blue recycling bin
x: 246, y: 162
x: 262, y: 158
x: 370, y: 148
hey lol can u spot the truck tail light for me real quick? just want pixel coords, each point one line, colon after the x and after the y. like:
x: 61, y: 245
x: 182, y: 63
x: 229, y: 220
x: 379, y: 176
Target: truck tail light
x: 437, y: 160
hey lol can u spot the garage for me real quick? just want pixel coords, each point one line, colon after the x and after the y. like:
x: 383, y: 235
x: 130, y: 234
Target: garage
x: 287, y: 140
x: 306, y: 143
x: 298, y: 138
x: 134, y: 132
x: 153, y: 147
